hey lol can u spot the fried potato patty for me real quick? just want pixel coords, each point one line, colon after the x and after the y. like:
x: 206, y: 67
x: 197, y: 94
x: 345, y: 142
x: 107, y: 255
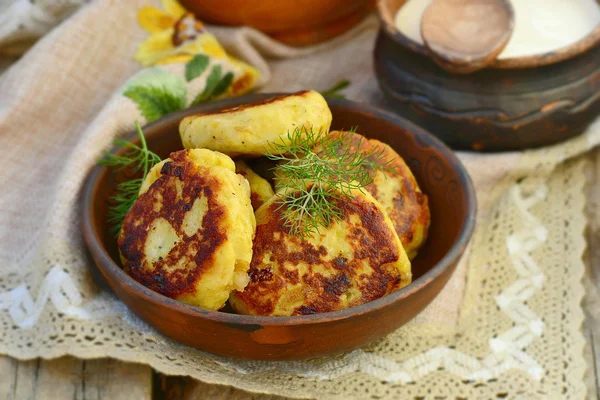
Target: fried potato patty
x: 260, y: 188
x: 247, y: 130
x: 356, y: 259
x: 397, y: 191
x: 189, y: 234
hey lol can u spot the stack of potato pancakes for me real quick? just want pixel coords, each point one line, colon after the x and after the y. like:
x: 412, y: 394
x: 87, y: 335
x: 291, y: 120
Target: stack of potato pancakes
x: 207, y: 230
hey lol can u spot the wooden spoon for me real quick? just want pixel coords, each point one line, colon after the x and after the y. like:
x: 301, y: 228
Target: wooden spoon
x: 464, y: 36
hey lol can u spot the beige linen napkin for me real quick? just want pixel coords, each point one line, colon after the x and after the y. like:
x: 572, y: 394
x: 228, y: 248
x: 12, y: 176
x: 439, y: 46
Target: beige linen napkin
x: 507, y: 323
x: 22, y: 22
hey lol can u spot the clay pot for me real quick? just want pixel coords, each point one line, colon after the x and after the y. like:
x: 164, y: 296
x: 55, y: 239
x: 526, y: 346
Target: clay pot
x: 298, y: 23
x: 518, y: 103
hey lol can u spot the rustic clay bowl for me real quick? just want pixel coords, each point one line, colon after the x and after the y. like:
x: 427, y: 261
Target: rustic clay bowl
x: 297, y: 23
x: 440, y: 175
x: 509, y: 107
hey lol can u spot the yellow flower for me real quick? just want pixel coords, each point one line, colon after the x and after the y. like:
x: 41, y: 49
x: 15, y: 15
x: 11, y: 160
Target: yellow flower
x: 176, y: 35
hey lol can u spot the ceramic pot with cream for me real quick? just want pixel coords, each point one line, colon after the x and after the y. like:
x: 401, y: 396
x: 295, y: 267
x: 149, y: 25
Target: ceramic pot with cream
x: 539, y: 91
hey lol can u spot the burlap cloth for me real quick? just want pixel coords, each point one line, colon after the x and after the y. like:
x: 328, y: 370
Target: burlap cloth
x: 508, y: 324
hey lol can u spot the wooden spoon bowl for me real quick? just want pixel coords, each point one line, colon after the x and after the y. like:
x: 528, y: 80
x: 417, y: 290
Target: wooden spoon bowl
x: 464, y: 36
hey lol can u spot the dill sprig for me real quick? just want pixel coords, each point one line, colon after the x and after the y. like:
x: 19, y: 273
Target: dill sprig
x: 334, y: 91
x: 316, y: 171
x: 137, y: 158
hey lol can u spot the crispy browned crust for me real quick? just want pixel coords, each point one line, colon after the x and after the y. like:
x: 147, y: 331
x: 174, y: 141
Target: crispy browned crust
x: 371, y: 240
x: 411, y: 208
x: 270, y: 100
x: 196, y: 182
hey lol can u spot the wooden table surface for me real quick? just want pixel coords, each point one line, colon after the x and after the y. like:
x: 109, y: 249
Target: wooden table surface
x: 71, y: 378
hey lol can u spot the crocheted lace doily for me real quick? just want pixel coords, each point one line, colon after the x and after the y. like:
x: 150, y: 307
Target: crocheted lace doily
x: 518, y: 333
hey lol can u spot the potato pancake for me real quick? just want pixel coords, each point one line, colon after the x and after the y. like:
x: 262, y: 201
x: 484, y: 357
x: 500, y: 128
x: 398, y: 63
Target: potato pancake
x: 397, y: 191
x: 248, y: 129
x: 260, y: 188
x: 356, y: 259
x: 189, y: 234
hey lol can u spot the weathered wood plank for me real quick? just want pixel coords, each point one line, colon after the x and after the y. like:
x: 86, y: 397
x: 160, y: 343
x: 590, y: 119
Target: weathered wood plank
x: 56, y: 379
x: 182, y: 388
x: 71, y: 378
x: 6, y: 375
x: 112, y: 379
x: 591, y: 303
x: 17, y: 378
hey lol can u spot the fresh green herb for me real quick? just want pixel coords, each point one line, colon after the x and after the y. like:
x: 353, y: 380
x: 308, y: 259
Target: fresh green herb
x: 196, y: 66
x: 315, y: 172
x: 154, y: 101
x: 335, y: 89
x: 216, y: 84
x: 138, y: 158
x: 158, y: 92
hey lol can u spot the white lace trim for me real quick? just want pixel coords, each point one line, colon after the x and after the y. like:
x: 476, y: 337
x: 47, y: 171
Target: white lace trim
x: 61, y: 290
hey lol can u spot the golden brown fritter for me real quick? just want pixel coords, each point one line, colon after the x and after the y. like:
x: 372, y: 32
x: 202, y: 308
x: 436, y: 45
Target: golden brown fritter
x: 398, y: 192
x: 248, y: 129
x: 353, y: 261
x: 189, y: 234
x: 263, y: 168
x: 260, y: 188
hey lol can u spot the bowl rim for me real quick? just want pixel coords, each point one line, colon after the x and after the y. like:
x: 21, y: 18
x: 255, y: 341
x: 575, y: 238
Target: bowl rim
x: 530, y: 61
x: 107, y: 265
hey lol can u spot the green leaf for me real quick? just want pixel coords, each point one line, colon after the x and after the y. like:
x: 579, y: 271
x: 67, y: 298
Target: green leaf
x: 154, y: 102
x: 211, y: 83
x: 215, y: 85
x: 196, y: 66
x: 160, y: 78
x: 223, y: 85
x: 156, y: 92
x: 334, y: 90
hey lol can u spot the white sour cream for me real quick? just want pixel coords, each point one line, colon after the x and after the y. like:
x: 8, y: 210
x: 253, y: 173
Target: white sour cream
x: 541, y: 26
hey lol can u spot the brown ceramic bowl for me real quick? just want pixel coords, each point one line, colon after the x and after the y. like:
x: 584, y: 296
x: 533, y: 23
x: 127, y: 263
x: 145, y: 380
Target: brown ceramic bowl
x: 440, y: 175
x: 298, y: 22
x: 387, y: 10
